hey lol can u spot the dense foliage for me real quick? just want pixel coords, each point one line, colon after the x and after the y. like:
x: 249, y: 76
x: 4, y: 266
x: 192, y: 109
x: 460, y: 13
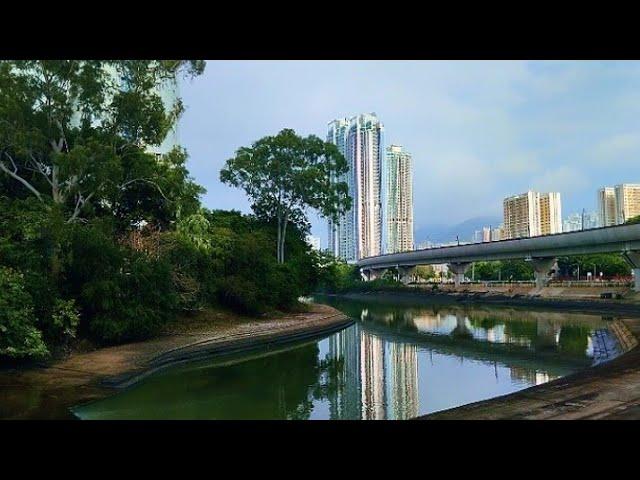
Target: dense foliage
x: 285, y: 174
x: 101, y: 238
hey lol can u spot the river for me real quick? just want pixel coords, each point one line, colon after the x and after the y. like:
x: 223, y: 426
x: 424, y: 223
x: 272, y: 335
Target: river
x: 398, y: 360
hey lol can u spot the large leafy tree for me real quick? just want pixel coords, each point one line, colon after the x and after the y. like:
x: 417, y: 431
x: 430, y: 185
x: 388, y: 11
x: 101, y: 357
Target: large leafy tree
x: 286, y: 174
x: 74, y: 134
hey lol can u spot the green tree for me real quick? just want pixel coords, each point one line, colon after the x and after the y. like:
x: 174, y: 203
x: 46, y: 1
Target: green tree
x: 633, y: 220
x: 285, y: 174
x: 73, y: 133
x: 19, y: 337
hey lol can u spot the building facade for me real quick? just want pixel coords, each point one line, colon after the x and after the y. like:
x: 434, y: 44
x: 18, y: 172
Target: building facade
x: 314, y: 242
x: 550, y: 213
x: 607, y: 209
x: 358, y: 233
x: 627, y: 201
x: 531, y: 214
x: 398, y: 200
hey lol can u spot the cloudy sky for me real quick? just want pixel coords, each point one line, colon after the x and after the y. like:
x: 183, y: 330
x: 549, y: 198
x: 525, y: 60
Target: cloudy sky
x: 478, y: 130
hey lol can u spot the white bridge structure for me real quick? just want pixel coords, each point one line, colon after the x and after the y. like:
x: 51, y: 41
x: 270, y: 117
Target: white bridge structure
x: 541, y: 251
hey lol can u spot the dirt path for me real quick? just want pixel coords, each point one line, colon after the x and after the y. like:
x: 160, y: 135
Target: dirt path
x: 47, y: 392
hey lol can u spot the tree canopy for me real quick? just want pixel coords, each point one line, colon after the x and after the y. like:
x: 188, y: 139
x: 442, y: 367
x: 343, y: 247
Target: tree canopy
x: 74, y: 134
x: 285, y: 174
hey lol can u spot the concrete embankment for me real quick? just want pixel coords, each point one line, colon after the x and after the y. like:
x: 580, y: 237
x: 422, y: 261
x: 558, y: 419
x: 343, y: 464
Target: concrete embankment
x: 608, y: 391
x: 47, y: 392
x: 551, y: 298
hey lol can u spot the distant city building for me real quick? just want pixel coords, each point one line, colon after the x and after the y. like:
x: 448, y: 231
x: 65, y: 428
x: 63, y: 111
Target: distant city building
x: 497, y: 233
x: 578, y: 221
x: 627, y: 202
x: 483, y: 235
x: 607, y: 206
x: 314, y: 242
x: 358, y: 233
x: 398, y: 200
x: 572, y: 223
x: 531, y: 214
x: 425, y: 244
x: 550, y: 213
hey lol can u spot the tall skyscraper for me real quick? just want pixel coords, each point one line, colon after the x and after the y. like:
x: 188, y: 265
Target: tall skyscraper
x: 627, y: 201
x: 358, y: 233
x: 531, y: 214
x: 398, y: 200
x: 607, y: 206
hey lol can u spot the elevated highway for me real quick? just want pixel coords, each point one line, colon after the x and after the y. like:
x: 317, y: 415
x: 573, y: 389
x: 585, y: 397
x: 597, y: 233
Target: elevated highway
x: 542, y: 251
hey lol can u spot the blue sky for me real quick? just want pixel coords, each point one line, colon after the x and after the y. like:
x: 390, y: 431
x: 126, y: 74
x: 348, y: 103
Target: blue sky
x: 478, y: 130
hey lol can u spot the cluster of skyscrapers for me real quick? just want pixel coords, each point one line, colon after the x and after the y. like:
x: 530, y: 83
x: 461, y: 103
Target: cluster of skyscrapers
x: 532, y: 213
x: 380, y: 182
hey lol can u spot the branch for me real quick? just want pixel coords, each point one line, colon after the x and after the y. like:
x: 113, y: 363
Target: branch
x: 123, y: 185
x: 14, y: 174
x: 80, y: 201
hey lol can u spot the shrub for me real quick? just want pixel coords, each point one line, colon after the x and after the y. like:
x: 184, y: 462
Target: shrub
x: 19, y: 338
x: 123, y: 294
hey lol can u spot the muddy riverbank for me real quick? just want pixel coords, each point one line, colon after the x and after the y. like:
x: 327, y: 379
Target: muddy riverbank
x: 47, y: 392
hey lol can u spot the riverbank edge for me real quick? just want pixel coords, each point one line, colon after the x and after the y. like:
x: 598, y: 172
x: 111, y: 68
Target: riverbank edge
x: 216, y: 347
x: 603, y: 307
x: 607, y: 390
x: 73, y: 386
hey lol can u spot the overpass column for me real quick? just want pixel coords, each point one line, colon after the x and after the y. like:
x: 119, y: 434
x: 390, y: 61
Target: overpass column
x: 373, y: 273
x: 459, y: 269
x: 633, y: 258
x: 406, y: 274
x: 542, y: 268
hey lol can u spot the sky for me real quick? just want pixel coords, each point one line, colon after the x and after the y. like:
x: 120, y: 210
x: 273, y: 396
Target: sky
x: 478, y: 131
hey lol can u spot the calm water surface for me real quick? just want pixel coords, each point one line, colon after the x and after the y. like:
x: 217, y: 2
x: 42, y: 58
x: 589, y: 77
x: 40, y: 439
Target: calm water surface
x: 396, y: 362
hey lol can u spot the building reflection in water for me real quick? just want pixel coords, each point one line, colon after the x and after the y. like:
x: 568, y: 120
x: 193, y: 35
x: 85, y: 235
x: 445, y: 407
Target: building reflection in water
x: 377, y: 374
x: 377, y: 379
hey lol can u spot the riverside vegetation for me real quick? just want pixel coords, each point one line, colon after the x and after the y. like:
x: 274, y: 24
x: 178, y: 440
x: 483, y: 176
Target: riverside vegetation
x: 102, y: 240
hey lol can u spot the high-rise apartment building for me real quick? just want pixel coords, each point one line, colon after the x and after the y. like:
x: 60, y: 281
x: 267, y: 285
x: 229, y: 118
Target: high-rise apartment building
x: 358, y: 233
x: 607, y: 209
x: 627, y: 202
x: 521, y: 215
x: 398, y: 200
x: 531, y: 214
x: 550, y: 213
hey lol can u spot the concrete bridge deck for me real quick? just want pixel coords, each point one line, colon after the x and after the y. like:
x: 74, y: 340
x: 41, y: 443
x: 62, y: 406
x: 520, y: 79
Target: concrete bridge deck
x: 542, y: 251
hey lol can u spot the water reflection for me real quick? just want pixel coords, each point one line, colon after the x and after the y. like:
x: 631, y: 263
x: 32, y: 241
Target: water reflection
x: 396, y: 362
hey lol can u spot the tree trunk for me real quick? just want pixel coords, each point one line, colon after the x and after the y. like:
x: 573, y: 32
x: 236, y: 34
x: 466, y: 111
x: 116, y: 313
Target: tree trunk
x: 279, y: 237
x: 284, y: 237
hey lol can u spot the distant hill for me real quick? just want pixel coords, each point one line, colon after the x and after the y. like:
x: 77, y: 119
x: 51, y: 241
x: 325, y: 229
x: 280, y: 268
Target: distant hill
x: 438, y: 233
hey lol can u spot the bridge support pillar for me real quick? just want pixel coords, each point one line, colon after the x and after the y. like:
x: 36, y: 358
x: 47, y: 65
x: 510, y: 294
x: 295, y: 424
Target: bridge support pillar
x: 459, y: 270
x: 633, y: 258
x: 406, y: 274
x: 370, y: 274
x: 542, y: 268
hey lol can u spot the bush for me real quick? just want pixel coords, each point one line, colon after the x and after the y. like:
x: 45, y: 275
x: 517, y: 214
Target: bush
x: 19, y: 337
x: 124, y: 295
